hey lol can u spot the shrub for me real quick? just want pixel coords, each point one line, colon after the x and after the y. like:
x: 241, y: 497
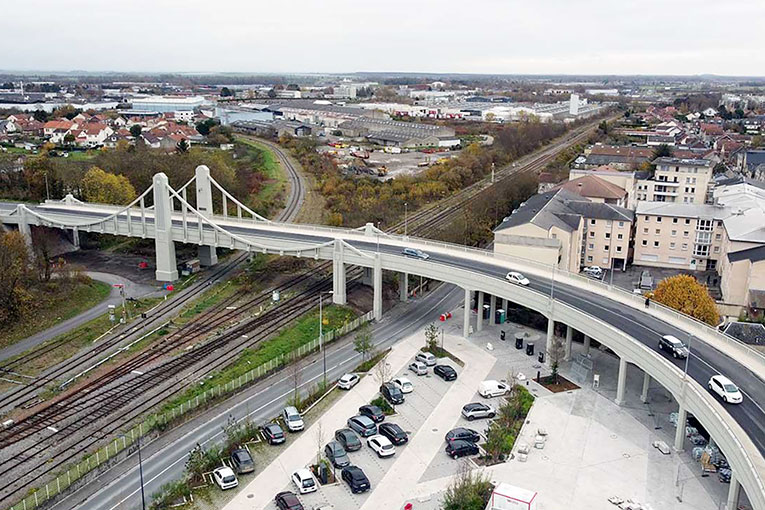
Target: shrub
x: 383, y: 405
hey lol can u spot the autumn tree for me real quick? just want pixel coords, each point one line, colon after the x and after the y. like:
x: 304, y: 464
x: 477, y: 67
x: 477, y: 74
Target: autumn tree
x: 135, y: 130
x: 102, y: 187
x: 685, y: 294
x: 14, y: 259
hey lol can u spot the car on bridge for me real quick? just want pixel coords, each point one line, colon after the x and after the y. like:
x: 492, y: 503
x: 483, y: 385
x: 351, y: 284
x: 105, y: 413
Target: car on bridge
x: 673, y: 346
x: 415, y: 253
x: 517, y: 278
x: 725, y: 389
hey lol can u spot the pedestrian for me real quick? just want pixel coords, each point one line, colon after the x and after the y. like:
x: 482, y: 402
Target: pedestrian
x: 647, y: 301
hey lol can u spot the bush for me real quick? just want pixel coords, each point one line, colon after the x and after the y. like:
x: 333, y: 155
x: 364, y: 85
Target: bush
x: 468, y: 491
x: 383, y: 405
x: 169, y: 494
x: 503, y: 431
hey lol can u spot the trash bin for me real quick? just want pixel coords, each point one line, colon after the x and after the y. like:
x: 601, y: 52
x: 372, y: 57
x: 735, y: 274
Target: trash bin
x: 486, y: 311
x: 323, y: 474
x: 519, y: 341
x: 499, y: 317
x: 530, y: 349
x: 502, y: 335
x: 541, y: 356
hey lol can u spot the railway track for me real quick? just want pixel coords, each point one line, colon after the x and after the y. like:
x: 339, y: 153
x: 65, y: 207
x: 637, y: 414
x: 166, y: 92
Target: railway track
x: 297, y: 185
x: 115, y: 400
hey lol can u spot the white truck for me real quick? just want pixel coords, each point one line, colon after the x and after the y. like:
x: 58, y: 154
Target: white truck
x: 508, y: 497
x: 490, y: 388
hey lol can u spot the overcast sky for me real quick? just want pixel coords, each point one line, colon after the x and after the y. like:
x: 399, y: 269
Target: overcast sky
x: 478, y: 36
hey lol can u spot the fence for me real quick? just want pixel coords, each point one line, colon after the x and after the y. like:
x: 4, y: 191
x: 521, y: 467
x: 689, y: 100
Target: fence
x: 77, y: 472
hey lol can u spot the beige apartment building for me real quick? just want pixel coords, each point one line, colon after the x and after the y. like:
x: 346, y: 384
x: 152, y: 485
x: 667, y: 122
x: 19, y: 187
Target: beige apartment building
x: 676, y: 180
x: 679, y: 236
x: 569, y: 231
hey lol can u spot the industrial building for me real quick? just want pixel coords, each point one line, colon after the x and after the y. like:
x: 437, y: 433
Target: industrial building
x: 399, y: 134
x: 165, y: 104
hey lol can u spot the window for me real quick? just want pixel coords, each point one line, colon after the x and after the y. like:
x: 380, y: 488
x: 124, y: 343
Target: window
x: 656, y: 244
x: 645, y: 242
x: 685, y: 233
x: 674, y: 233
x: 718, y: 236
x: 621, y: 224
x: 618, y: 249
x: 609, y: 223
x: 592, y: 222
x: 717, y: 249
x: 608, y: 235
x: 685, y: 246
x: 687, y: 221
x: 647, y: 218
x: 606, y: 247
x: 620, y: 236
x: 658, y: 219
x: 591, y: 246
x: 671, y: 246
x: 592, y: 234
x: 555, y: 236
x: 658, y: 231
x: 674, y: 220
x: 589, y: 258
x: 645, y: 230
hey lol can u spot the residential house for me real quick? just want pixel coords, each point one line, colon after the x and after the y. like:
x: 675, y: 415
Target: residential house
x: 677, y: 180
x: 597, y: 190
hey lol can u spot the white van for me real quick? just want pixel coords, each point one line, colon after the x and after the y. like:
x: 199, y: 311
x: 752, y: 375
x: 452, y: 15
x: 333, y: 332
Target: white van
x: 489, y: 389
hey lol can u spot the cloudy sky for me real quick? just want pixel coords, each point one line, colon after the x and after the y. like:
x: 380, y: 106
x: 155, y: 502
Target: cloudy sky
x: 479, y: 36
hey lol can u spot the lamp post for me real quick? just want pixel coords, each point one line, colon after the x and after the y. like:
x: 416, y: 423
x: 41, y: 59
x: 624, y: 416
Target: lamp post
x: 321, y: 334
x: 406, y: 218
x: 687, y: 358
x: 378, y: 237
x: 140, y: 470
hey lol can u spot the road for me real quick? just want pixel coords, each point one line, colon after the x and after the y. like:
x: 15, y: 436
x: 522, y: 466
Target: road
x: 262, y: 401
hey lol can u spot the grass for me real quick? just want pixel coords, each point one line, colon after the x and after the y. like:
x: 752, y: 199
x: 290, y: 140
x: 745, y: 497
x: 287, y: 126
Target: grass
x: 440, y: 352
x: 64, y: 304
x: 305, y: 330
x: 275, y: 186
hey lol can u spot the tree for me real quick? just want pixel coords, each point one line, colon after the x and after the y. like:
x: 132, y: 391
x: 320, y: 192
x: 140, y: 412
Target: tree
x: 431, y: 337
x: 296, y: 378
x: 102, y: 187
x: 685, y: 294
x: 68, y: 139
x: 41, y: 115
x: 204, y: 127
x: 226, y: 92
x: 362, y: 342
x: 135, y: 130
x: 662, y: 151
x: 758, y: 141
x: 14, y: 259
x: 469, y: 490
x: 182, y: 147
x: 382, y: 371
x: 319, y: 437
x: 556, y: 351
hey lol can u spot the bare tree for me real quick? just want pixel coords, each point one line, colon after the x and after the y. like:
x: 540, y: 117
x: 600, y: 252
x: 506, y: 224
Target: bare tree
x: 556, y: 351
x: 319, y: 436
x: 296, y: 378
x: 382, y: 371
x: 431, y: 337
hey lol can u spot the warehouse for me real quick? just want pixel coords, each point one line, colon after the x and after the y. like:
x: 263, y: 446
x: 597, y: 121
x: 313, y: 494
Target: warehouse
x: 398, y: 134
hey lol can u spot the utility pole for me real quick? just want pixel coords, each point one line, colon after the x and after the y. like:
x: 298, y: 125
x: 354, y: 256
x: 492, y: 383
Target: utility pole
x: 321, y: 335
x: 47, y: 190
x: 406, y: 218
x: 492, y: 173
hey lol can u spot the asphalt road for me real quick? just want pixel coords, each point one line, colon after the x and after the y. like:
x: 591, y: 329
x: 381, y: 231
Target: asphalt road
x: 264, y: 400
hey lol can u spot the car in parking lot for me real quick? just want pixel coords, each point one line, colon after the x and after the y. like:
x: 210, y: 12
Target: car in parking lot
x: 348, y: 381
x: 288, y: 501
x: 418, y: 367
x: 673, y: 346
x: 391, y: 393
x: 403, y: 384
x: 517, y: 278
x: 292, y: 419
x: 426, y: 357
x: 476, y: 410
x: 241, y: 461
x: 593, y: 272
x: 303, y: 481
x: 414, y: 252
x: 491, y: 388
x: 445, y: 372
x: 225, y: 478
x: 725, y: 389
x: 393, y: 432
x: 355, y: 478
x: 381, y: 445
x: 374, y: 413
x: 335, y: 453
x: 348, y: 439
x: 362, y: 425
x: 460, y: 448
x: 273, y: 433
x: 462, y: 434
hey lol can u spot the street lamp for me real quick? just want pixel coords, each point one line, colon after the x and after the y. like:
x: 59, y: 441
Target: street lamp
x: 406, y: 218
x: 321, y: 334
x: 140, y: 470
x: 687, y: 358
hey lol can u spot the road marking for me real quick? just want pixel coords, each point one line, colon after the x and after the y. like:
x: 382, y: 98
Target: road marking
x: 52, y: 429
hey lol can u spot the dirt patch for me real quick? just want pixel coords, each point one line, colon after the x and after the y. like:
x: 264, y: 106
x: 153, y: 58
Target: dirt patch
x: 562, y: 385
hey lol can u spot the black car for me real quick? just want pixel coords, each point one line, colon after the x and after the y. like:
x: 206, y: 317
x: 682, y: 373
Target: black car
x: 462, y: 434
x: 372, y: 412
x: 273, y: 433
x: 241, y: 461
x: 348, y: 439
x: 460, y: 448
x: 356, y: 479
x: 335, y: 453
x: 288, y: 501
x: 391, y: 393
x: 393, y: 432
x: 673, y: 346
x: 445, y: 372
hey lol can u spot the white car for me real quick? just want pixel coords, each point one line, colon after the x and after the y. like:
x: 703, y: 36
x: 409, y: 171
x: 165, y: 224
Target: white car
x: 593, y: 271
x: 404, y: 384
x: 418, y: 367
x: 381, y: 445
x: 348, y: 381
x: 517, y: 278
x: 725, y: 388
x: 293, y: 419
x: 426, y: 358
x: 303, y: 481
x: 492, y: 388
x: 225, y: 478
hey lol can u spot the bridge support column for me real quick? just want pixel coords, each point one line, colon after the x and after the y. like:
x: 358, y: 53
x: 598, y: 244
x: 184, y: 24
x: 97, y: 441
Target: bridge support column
x: 76, y: 238
x: 466, y: 318
x: 479, y: 307
x: 734, y: 492
x: 550, y: 337
x: 569, y: 341
x: 164, y: 246
x: 586, y: 345
x: 492, y: 309
x: 207, y: 254
x: 24, y: 229
x: 377, y: 277
x: 403, y: 287
x: 682, y: 419
x: 366, y: 277
x: 338, y: 274
x: 621, y: 384
x: 646, y: 386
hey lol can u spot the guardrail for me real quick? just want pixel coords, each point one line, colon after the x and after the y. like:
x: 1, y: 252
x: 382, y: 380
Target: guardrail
x: 101, y: 457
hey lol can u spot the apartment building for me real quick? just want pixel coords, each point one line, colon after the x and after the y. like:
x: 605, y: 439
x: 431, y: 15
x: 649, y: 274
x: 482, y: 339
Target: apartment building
x: 569, y: 231
x: 677, y: 180
x: 679, y: 236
